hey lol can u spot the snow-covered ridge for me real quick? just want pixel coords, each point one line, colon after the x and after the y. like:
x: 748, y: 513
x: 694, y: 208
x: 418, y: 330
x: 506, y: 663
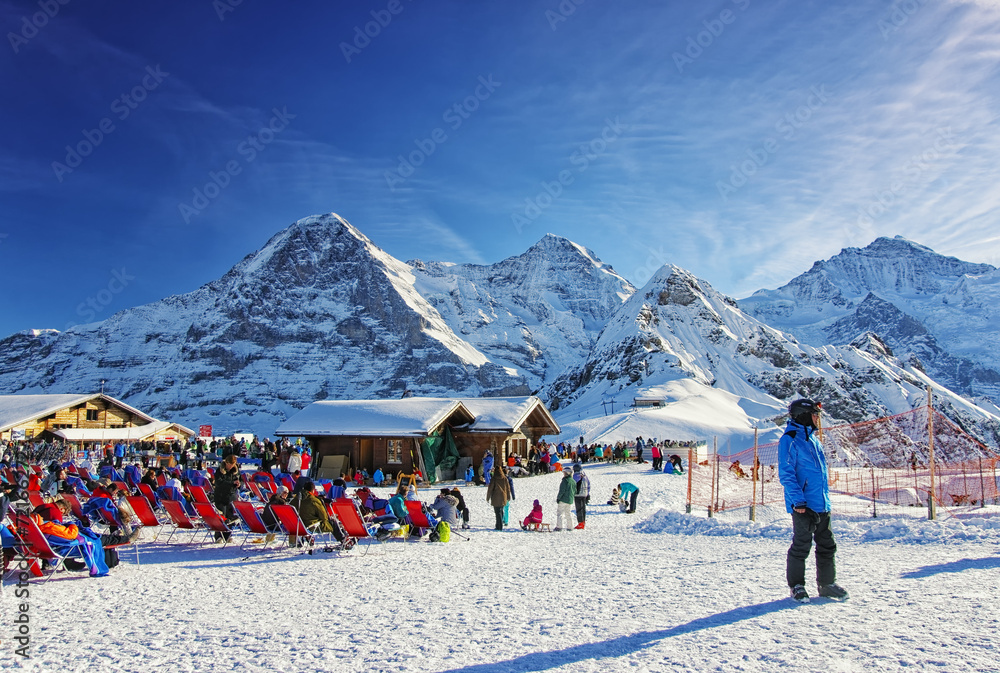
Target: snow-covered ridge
x: 938, y: 311
x: 321, y: 312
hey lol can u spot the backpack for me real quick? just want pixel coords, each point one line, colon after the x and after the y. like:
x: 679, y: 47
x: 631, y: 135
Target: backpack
x: 441, y: 532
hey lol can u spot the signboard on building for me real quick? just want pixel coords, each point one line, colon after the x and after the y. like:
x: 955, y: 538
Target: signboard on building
x: 204, y: 430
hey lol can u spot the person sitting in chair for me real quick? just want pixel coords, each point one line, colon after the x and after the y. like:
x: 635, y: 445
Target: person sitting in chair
x: 313, y: 512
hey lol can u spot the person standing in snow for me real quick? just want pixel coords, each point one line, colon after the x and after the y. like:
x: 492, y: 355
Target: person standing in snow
x: 498, y: 493
x: 226, y: 490
x: 803, y: 475
x: 565, y: 498
x: 487, y: 467
x: 582, y: 495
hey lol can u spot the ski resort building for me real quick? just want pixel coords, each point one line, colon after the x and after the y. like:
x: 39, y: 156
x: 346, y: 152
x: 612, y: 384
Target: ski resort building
x: 403, y: 435
x: 92, y: 418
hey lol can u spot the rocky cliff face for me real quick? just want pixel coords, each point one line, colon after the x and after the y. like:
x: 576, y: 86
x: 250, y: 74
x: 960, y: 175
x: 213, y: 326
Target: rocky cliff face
x: 538, y: 313
x: 319, y: 312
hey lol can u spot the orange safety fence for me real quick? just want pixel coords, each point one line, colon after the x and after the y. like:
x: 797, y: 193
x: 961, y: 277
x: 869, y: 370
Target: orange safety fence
x: 875, y: 467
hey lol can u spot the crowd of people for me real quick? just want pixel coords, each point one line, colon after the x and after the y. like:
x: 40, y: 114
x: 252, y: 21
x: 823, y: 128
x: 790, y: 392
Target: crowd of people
x: 281, y: 479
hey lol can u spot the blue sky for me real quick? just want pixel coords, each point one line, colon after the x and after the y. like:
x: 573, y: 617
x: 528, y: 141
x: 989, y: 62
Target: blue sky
x: 742, y: 140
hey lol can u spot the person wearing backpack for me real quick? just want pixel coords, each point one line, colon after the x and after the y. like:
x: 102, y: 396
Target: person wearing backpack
x: 582, y: 495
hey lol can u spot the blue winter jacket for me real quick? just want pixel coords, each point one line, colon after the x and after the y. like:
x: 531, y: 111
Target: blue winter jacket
x: 802, y: 469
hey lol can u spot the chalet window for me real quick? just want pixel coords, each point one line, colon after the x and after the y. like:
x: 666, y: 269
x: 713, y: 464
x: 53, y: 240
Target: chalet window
x: 93, y: 414
x: 394, y: 449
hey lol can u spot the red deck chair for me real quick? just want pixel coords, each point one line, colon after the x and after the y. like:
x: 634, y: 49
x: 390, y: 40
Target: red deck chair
x: 254, y: 524
x: 213, y: 520
x: 418, y: 518
x: 84, y: 474
x: 144, y: 512
x: 180, y: 519
x: 111, y: 523
x: 123, y: 487
x: 147, y: 492
x: 198, y: 495
x: 161, y: 479
x: 292, y: 524
x: 74, y: 504
x: 35, y: 546
x: 36, y: 499
x: 257, y: 493
x: 346, y: 510
x: 37, y: 469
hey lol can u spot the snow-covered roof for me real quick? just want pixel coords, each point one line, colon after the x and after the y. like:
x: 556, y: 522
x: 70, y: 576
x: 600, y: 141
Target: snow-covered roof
x: 135, y: 433
x: 411, y: 416
x: 17, y: 409
x: 506, y: 413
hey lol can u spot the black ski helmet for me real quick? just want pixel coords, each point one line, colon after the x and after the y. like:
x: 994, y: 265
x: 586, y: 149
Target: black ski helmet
x: 801, y: 411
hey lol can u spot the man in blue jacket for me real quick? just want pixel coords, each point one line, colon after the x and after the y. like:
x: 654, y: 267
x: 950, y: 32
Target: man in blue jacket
x: 802, y: 472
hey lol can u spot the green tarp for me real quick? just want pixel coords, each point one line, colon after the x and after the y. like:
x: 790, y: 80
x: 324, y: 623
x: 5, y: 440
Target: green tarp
x: 439, y: 451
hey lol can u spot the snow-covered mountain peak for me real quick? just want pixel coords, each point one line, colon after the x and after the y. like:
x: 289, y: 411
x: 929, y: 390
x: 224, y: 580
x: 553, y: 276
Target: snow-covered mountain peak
x: 931, y: 307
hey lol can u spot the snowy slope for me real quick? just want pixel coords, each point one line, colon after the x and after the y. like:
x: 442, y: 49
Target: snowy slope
x: 538, y: 313
x: 678, y: 339
x: 939, y: 309
x: 645, y: 593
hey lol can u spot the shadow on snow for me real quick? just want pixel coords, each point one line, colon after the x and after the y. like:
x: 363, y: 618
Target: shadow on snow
x: 624, y: 645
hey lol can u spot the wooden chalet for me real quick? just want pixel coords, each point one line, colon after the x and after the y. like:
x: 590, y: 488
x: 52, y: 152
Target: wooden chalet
x: 40, y: 417
x: 348, y: 435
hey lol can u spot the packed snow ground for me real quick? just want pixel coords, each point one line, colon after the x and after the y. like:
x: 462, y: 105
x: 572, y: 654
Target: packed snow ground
x: 652, y: 591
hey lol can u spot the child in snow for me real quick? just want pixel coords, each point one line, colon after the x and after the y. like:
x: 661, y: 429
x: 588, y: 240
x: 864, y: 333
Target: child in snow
x: 533, y: 518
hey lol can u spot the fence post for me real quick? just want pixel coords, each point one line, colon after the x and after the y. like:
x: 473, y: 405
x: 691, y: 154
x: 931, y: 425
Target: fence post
x: 691, y: 464
x: 874, y: 494
x: 982, y: 485
x: 711, y: 501
x: 753, y: 476
x: 931, y: 509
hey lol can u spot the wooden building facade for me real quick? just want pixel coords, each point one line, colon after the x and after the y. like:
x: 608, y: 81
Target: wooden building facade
x: 39, y: 417
x: 350, y: 435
